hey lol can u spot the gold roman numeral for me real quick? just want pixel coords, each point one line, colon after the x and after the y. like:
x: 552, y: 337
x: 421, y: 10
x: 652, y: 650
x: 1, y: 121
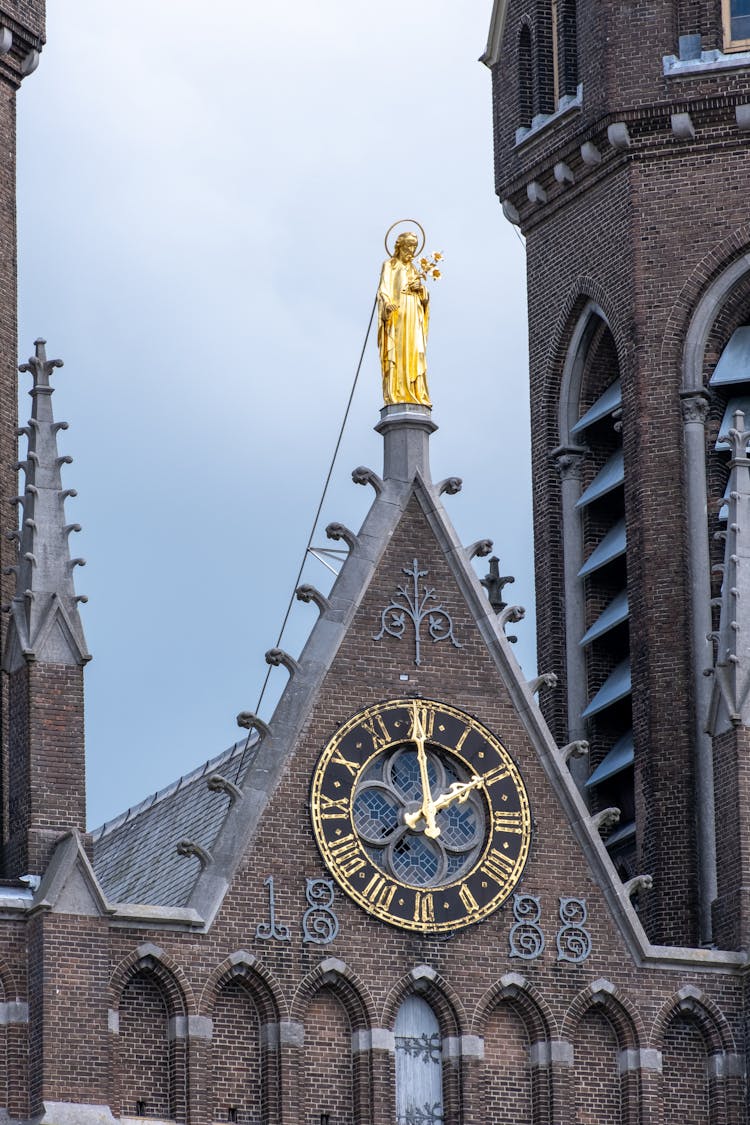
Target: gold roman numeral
x: 508, y: 822
x: 467, y: 898
x: 424, y: 907
x: 498, y: 774
x: 462, y: 739
x: 380, y: 892
x: 333, y: 809
x: 377, y: 731
x: 497, y: 866
x: 346, y: 854
x: 340, y: 760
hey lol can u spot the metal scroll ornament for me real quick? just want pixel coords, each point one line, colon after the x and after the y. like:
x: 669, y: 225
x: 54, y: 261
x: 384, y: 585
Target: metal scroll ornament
x: 526, y: 938
x: 272, y: 930
x: 414, y: 602
x: 319, y: 923
x: 573, y: 941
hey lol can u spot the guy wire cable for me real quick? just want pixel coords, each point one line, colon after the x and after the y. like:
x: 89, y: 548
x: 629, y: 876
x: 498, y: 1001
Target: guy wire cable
x: 314, y: 523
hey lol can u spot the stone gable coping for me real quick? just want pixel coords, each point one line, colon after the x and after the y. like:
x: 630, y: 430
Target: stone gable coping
x: 300, y: 696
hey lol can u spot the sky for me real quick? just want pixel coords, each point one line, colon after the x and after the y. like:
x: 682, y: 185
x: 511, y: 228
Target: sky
x: 202, y: 200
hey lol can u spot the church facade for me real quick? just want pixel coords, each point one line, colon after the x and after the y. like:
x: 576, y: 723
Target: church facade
x: 428, y: 891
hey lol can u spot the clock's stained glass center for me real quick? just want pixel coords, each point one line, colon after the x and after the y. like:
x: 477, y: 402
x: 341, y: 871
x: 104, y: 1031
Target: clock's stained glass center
x: 390, y: 788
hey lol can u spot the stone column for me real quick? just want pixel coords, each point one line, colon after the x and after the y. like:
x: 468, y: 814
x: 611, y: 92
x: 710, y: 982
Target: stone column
x: 694, y: 413
x: 567, y: 460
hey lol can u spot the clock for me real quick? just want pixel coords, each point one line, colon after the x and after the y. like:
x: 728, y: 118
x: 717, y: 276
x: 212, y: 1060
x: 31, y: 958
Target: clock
x: 421, y: 815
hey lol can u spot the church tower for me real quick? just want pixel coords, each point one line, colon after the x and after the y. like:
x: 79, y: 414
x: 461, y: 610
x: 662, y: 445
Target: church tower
x: 621, y: 137
x: 22, y: 27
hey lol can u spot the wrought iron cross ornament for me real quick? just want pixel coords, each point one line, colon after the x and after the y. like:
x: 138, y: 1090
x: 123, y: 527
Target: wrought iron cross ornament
x: 409, y: 603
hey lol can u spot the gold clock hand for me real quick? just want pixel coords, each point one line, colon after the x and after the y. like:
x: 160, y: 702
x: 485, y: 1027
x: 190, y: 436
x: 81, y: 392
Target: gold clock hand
x: 458, y: 791
x: 427, y: 811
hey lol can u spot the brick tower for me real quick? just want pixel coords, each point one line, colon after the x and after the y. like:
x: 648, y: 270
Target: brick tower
x: 21, y: 41
x: 621, y: 136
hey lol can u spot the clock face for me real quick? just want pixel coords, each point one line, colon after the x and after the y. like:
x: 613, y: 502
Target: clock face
x: 421, y: 815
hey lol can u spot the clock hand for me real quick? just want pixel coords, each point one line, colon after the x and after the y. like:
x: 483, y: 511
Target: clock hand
x: 427, y: 811
x: 458, y: 791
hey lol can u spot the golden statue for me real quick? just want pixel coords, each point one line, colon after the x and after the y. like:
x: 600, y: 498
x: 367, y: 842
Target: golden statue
x: 403, y: 320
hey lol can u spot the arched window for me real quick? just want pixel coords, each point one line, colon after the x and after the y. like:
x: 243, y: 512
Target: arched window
x: 328, y: 1073
x: 567, y: 31
x: 236, y: 1056
x: 736, y: 15
x: 525, y: 78
x: 419, y: 1064
x: 147, y: 1073
x: 546, y: 55
x: 685, y: 1083
x: 595, y: 575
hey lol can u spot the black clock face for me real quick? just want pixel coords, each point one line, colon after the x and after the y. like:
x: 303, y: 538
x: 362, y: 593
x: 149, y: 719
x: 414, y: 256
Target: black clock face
x: 421, y: 815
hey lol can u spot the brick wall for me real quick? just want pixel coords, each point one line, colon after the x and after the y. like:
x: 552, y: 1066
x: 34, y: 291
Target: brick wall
x: 236, y: 1057
x: 47, y: 788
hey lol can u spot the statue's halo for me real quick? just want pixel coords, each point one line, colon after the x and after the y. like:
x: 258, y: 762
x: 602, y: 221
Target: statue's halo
x: 398, y: 223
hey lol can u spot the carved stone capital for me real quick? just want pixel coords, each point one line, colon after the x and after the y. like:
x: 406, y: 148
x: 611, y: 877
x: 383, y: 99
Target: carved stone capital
x: 567, y: 460
x: 694, y: 407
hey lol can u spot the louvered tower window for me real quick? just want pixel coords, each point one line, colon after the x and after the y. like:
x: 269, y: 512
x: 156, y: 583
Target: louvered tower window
x: 730, y: 384
x: 606, y: 638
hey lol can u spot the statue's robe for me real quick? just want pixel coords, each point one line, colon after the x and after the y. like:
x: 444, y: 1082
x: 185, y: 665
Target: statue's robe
x: 402, y: 335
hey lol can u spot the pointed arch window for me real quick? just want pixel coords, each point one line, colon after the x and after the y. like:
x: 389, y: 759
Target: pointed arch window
x: 736, y: 15
x: 525, y: 78
x: 567, y: 31
x: 419, y: 1064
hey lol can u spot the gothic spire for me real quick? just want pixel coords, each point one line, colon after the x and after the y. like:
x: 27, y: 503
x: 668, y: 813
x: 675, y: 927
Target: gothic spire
x: 45, y: 624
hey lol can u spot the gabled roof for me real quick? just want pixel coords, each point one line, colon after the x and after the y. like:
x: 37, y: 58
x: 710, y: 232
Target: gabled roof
x: 136, y: 857
x: 495, y: 37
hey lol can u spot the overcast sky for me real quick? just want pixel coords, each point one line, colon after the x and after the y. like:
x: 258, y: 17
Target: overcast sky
x: 203, y: 195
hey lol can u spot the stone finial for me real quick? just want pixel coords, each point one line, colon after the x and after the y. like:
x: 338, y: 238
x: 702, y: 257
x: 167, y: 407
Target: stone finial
x: 479, y: 548
x: 277, y: 656
x: 190, y: 848
x: 248, y: 720
x: 511, y: 613
x: 308, y: 593
x: 494, y: 583
x: 546, y: 679
x: 730, y: 704
x: 217, y: 783
x: 45, y: 623
x: 363, y: 475
x: 577, y: 749
x: 605, y: 819
x: 338, y: 531
x: 636, y: 884
x: 451, y: 485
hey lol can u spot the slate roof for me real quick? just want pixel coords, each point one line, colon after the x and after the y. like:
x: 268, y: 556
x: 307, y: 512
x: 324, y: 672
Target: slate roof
x: 135, y: 856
